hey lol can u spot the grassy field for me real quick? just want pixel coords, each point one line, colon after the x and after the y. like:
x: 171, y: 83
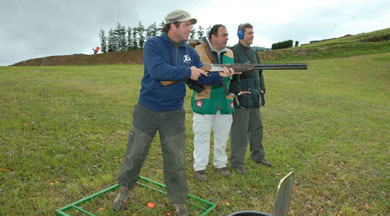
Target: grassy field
x: 63, y: 132
x: 361, y: 44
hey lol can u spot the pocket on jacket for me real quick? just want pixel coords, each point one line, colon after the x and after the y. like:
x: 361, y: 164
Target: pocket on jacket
x: 242, y: 100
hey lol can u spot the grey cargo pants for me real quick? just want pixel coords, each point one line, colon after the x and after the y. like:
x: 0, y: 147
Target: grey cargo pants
x: 247, y: 127
x: 171, y: 126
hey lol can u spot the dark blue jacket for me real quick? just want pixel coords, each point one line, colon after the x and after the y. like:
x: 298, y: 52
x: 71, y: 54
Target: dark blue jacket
x: 163, y: 60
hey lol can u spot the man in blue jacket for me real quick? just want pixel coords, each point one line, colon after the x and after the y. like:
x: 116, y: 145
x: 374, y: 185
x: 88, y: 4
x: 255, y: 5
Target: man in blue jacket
x: 166, y: 58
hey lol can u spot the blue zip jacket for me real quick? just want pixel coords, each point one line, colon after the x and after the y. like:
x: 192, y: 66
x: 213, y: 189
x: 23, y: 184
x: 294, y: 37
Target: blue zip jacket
x: 163, y: 60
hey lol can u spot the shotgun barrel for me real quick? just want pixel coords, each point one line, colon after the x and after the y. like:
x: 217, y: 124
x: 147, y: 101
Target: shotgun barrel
x: 250, y: 67
x: 246, y: 67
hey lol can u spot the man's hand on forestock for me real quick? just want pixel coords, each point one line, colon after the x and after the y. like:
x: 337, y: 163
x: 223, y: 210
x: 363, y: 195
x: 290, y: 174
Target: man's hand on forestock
x: 227, y: 72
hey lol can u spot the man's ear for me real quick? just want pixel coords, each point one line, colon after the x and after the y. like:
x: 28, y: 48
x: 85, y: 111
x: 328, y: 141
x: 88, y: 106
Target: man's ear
x: 172, y: 26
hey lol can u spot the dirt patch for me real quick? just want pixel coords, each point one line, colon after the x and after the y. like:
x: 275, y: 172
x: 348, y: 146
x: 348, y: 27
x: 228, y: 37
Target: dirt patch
x: 127, y: 57
x: 269, y: 56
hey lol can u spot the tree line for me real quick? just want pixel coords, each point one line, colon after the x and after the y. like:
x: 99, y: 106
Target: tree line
x: 284, y: 44
x: 123, y: 38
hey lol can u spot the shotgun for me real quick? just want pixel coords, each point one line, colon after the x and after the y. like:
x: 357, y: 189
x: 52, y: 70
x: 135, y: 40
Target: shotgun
x: 246, y: 67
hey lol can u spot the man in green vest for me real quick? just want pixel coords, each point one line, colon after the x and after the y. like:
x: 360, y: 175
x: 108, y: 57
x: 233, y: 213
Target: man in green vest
x: 249, y: 89
x: 212, y: 107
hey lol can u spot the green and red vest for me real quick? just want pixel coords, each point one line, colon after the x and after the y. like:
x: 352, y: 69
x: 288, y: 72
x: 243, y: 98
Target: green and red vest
x: 215, y: 98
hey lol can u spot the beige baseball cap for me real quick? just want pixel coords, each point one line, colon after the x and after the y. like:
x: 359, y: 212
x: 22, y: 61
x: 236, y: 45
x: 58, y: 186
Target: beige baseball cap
x: 179, y: 16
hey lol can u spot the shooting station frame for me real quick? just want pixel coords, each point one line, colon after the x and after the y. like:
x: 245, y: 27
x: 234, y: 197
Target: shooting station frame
x: 142, y: 181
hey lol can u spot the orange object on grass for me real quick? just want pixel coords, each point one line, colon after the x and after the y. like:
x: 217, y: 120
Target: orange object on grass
x: 150, y: 204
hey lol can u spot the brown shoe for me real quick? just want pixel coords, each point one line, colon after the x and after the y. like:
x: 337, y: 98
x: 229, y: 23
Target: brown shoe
x: 181, y: 210
x: 224, y: 171
x: 121, y: 199
x: 264, y: 162
x: 201, y: 175
x: 240, y: 170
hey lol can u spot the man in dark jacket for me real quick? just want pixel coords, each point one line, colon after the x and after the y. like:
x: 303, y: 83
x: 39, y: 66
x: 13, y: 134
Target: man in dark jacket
x: 249, y: 89
x: 166, y: 58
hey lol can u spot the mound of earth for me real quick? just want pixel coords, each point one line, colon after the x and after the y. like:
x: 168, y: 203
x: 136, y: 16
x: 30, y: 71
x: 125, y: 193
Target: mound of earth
x: 125, y: 57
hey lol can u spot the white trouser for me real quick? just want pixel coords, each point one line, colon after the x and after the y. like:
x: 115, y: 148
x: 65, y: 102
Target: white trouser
x: 201, y: 127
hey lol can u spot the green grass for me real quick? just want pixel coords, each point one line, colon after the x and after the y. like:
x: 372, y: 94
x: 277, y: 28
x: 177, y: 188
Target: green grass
x: 353, y: 45
x: 63, y: 131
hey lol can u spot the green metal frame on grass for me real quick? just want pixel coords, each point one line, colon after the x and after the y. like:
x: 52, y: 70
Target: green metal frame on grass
x: 191, y: 199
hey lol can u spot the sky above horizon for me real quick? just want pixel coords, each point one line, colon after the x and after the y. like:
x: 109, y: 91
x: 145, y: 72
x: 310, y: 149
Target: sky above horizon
x: 39, y: 28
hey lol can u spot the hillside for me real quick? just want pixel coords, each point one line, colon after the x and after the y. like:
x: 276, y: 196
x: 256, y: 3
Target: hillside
x: 130, y: 57
x: 348, y: 45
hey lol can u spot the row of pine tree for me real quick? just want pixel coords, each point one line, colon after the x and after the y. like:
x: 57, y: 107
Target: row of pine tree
x: 123, y: 38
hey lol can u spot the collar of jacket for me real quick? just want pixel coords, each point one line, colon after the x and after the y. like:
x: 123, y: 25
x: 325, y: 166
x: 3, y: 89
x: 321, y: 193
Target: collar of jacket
x: 170, y: 41
x: 221, y: 51
x: 243, y: 47
x: 218, y: 53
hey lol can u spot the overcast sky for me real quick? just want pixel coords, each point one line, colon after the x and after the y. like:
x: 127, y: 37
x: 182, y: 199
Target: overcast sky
x: 39, y: 28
